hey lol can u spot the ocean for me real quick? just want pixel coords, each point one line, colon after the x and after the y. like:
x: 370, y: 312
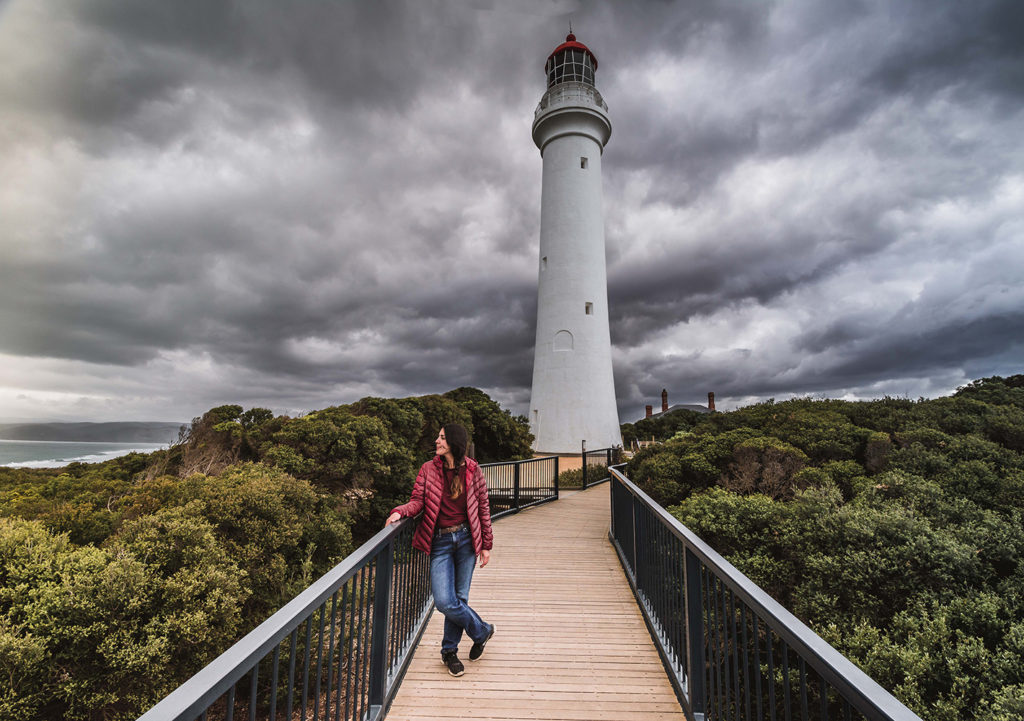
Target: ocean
x: 50, y: 454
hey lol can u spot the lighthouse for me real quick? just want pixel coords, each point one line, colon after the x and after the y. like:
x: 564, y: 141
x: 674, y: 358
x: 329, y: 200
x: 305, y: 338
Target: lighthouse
x: 573, y: 395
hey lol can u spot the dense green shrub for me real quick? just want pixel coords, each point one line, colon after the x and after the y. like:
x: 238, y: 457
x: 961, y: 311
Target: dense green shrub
x: 103, y: 632
x: 766, y: 465
x: 570, y: 479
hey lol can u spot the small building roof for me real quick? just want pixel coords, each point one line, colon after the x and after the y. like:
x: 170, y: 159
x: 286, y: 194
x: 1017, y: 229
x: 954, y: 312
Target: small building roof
x: 679, y: 407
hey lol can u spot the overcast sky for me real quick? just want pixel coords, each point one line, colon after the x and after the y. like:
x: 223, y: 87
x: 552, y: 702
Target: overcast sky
x: 297, y: 204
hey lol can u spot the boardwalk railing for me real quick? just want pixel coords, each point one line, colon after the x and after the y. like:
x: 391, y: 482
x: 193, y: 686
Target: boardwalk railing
x: 339, y: 649
x: 515, y: 485
x: 595, y: 465
x: 731, y: 651
x: 336, y: 651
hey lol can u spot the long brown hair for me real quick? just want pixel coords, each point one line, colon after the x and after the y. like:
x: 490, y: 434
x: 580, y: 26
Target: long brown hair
x: 457, y: 439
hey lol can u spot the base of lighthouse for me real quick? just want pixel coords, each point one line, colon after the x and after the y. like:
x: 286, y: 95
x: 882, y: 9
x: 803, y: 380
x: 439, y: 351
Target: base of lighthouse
x: 564, y: 411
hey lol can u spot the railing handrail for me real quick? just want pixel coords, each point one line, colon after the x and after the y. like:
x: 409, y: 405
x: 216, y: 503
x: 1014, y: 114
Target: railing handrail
x: 219, y: 675
x: 521, y: 461
x: 836, y: 669
x: 209, y: 684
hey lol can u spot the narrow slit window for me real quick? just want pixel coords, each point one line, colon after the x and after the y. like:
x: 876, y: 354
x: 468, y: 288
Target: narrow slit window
x: 589, y: 308
x: 583, y: 163
x: 544, y: 263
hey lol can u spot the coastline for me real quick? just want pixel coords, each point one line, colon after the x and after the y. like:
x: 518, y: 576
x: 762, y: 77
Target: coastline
x: 56, y: 454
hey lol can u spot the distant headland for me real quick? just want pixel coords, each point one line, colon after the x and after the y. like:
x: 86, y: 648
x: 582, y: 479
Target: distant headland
x: 113, y: 432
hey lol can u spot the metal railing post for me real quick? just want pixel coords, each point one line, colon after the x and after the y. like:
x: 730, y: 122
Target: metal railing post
x: 515, y: 485
x: 583, y: 458
x: 634, y: 506
x: 611, y: 505
x: 556, y: 476
x: 694, y: 635
x: 379, y: 630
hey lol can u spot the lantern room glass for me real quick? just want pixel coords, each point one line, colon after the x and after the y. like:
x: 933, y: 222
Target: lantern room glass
x: 570, y: 65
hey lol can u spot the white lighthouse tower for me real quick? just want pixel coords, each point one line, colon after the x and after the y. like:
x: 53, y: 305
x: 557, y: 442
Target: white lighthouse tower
x: 573, y: 397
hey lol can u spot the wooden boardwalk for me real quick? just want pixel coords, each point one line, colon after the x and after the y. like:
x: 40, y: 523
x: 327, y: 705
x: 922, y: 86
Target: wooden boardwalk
x: 570, y: 641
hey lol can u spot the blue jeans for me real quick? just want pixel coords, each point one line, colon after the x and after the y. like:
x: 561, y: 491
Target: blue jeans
x: 452, y: 559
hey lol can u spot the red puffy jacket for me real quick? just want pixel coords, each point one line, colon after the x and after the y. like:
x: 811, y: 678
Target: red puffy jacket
x: 426, y: 497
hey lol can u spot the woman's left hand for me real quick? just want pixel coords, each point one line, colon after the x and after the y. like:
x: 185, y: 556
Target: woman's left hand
x: 485, y: 557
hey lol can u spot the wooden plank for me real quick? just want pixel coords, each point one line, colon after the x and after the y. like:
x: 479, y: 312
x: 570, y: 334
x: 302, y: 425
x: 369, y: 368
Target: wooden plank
x: 494, y: 703
x: 570, y: 641
x: 541, y: 714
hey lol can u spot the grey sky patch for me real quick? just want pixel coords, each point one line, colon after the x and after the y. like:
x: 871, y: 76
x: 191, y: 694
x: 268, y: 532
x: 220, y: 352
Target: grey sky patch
x: 296, y: 204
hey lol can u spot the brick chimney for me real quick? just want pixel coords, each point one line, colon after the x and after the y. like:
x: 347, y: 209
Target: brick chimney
x: 711, y: 401
x: 650, y: 411
x: 664, y: 400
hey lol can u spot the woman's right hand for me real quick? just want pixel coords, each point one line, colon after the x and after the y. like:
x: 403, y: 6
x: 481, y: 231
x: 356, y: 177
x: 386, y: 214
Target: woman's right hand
x: 393, y: 518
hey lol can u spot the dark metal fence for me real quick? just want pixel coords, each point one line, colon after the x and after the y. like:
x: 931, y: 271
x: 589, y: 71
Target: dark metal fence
x: 336, y: 651
x: 596, y: 463
x: 340, y: 648
x: 514, y: 485
x: 731, y: 651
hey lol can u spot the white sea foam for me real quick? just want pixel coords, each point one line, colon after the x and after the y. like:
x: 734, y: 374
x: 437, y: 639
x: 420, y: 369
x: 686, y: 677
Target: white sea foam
x: 54, y: 454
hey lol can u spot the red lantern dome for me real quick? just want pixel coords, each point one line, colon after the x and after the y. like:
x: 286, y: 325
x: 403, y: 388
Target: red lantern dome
x: 571, y: 61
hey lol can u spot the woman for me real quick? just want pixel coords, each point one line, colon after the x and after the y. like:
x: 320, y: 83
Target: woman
x: 455, y: 530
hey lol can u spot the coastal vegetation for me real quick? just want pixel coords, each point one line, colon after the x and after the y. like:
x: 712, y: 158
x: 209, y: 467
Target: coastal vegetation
x: 893, y: 528
x: 120, y: 580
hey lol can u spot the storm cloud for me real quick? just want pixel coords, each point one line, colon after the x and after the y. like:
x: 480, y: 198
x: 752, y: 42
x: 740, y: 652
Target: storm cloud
x: 298, y: 204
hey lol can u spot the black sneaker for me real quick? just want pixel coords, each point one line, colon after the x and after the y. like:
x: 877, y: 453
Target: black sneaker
x: 478, y: 648
x: 451, y: 660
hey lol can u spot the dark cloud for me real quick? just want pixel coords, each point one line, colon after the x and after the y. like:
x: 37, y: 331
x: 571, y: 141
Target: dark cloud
x: 977, y: 49
x: 297, y: 204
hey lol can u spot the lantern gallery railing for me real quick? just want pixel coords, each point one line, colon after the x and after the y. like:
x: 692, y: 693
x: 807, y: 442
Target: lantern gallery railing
x: 340, y: 648
x: 731, y: 651
x: 570, y: 93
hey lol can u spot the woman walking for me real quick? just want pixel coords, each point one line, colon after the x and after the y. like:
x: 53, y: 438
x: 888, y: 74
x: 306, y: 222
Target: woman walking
x: 455, y: 530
